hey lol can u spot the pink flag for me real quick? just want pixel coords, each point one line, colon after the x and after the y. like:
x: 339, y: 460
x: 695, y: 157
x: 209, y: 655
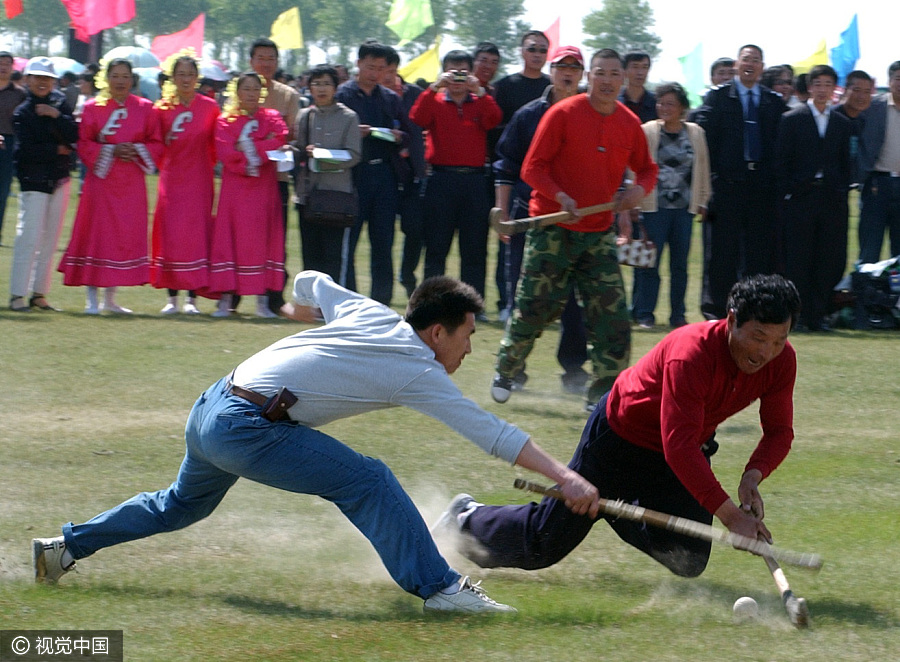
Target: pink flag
x: 91, y: 16
x: 192, y: 36
x: 553, y: 34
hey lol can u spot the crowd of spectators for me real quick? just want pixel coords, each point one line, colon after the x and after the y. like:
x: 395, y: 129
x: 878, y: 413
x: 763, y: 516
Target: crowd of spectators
x: 764, y: 163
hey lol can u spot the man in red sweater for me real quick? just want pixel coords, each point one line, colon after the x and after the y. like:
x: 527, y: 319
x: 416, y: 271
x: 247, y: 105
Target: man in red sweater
x: 650, y: 439
x: 457, y: 113
x: 578, y: 158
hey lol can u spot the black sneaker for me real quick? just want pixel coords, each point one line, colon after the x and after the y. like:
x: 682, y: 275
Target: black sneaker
x: 501, y: 388
x: 574, y: 381
x: 518, y: 382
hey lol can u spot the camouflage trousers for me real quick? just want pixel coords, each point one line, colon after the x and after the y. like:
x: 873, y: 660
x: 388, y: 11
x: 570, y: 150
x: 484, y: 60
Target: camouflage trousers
x: 555, y: 258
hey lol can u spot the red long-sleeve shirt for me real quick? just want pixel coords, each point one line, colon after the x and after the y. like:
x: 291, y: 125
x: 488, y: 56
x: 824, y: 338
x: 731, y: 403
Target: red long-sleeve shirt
x: 457, y: 135
x: 584, y: 154
x: 673, y: 399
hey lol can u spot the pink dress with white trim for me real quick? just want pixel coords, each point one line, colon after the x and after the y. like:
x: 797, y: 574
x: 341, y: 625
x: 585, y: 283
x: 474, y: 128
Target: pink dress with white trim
x: 108, y: 247
x: 182, y: 222
x: 247, y: 254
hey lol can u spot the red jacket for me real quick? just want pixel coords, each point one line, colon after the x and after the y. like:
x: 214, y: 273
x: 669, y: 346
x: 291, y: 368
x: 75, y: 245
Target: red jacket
x: 457, y: 135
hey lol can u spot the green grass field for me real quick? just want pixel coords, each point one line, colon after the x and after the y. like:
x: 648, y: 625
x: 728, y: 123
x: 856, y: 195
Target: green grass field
x: 92, y: 411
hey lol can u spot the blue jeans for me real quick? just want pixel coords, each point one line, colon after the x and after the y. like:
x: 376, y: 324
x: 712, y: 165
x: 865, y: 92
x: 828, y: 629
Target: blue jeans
x: 879, y: 210
x: 672, y: 227
x: 227, y: 439
x: 7, y: 171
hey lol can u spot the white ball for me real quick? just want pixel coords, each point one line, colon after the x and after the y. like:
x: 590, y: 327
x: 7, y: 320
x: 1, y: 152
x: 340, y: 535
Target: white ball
x: 745, y: 609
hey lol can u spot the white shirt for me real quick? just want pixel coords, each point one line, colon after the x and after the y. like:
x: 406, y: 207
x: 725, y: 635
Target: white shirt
x: 367, y: 357
x: 820, y: 118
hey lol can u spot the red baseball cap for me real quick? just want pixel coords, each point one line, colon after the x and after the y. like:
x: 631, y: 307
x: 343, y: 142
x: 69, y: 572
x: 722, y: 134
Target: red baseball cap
x: 562, y: 52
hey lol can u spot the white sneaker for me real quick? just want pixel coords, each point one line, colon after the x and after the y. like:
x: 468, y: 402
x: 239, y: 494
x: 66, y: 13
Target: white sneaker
x: 470, y: 599
x: 189, y: 308
x: 460, y: 507
x: 169, y: 309
x: 223, y: 308
x: 91, y: 310
x: 46, y: 557
x: 264, y: 312
x: 116, y: 309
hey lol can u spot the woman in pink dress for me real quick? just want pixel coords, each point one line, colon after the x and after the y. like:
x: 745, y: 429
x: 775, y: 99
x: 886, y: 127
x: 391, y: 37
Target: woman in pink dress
x: 247, y: 254
x: 119, y: 143
x: 183, y: 217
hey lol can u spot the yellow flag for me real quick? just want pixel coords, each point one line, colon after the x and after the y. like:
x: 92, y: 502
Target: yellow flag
x: 286, y: 30
x: 819, y: 57
x: 427, y: 65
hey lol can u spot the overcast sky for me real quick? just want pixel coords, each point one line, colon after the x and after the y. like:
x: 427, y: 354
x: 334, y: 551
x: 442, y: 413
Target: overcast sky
x: 787, y: 31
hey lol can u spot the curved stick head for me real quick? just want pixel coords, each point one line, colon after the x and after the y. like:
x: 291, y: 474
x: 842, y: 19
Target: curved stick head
x: 797, y: 610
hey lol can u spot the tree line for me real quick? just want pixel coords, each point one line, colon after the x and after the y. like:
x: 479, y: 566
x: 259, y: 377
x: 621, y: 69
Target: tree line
x: 336, y: 27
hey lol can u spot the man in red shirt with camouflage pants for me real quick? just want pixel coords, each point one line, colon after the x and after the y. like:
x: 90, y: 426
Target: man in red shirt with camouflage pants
x: 578, y: 158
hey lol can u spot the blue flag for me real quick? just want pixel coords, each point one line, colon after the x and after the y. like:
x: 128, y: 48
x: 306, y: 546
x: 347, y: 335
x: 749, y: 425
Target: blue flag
x: 846, y: 53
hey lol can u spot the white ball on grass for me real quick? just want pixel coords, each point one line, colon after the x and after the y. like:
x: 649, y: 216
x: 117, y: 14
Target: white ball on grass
x: 745, y: 609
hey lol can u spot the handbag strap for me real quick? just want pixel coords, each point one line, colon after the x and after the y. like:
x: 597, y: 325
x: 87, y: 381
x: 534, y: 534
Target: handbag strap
x: 310, y: 185
x: 642, y: 233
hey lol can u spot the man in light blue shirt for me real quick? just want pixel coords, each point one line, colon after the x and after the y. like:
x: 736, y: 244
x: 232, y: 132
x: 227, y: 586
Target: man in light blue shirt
x: 259, y: 423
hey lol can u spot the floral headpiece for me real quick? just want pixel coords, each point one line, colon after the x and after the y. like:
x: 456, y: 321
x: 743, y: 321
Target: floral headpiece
x: 232, y: 109
x: 169, y: 93
x: 102, y: 84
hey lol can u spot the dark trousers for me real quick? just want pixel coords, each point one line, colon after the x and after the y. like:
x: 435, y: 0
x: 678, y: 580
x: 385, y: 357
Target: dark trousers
x: 376, y: 186
x: 411, y: 224
x: 457, y: 202
x: 879, y: 210
x: 324, y: 248
x: 815, y: 248
x: 7, y: 171
x: 742, y: 237
x: 537, y: 535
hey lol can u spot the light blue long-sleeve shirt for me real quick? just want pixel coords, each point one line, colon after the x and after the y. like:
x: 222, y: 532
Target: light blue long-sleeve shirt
x: 367, y: 357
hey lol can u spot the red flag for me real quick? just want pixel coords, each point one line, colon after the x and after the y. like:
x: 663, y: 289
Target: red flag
x: 91, y: 16
x: 192, y: 36
x: 13, y: 8
x: 553, y: 34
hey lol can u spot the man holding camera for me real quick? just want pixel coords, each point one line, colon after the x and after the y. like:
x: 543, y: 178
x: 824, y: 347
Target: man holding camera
x: 457, y: 113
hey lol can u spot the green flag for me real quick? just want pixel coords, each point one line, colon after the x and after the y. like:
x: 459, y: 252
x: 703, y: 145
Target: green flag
x: 409, y: 19
x: 692, y: 67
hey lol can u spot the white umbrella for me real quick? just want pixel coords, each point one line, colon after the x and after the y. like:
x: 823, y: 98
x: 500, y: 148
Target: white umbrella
x: 149, y: 82
x: 64, y: 64
x: 213, y: 70
x: 139, y: 57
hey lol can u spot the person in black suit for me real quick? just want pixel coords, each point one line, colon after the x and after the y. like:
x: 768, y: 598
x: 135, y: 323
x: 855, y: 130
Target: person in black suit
x: 813, y: 167
x: 741, y: 122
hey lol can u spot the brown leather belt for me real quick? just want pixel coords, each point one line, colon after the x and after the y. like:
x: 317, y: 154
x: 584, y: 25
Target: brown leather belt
x: 250, y: 396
